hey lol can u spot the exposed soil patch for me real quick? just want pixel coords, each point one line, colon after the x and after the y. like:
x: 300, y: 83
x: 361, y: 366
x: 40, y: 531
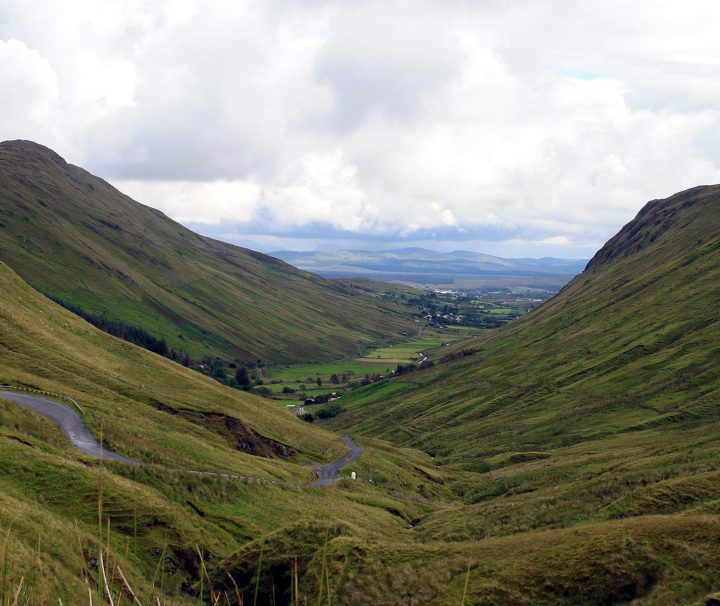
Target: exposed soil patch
x: 426, y: 474
x: 237, y: 433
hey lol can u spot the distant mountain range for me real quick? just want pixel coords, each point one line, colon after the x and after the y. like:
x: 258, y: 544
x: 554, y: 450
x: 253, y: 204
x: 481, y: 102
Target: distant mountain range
x: 429, y: 267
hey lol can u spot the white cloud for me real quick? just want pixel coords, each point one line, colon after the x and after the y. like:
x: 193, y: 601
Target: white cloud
x: 557, y: 240
x: 30, y: 91
x: 318, y: 188
x: 544, y: 123
x: 204, y: 202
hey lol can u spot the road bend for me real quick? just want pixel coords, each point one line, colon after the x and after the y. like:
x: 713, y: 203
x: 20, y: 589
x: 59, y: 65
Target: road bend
x: 74, y: 428
x: 330, y: 472
x: 70, y: 423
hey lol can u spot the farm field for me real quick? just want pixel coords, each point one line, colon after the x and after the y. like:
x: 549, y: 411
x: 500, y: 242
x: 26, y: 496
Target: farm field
x: 380, y: 361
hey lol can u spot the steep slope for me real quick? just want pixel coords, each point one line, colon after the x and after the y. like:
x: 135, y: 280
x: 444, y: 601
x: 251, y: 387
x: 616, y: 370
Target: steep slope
x: 601, y: 404
x: 174, y: 421
x: 147, y: 407
x: 563, y: 525
x: 78, y: 239
x: 629, y: 345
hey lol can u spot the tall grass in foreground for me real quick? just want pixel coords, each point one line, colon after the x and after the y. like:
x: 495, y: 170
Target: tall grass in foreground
x: 108, y: 574
x: 104, y: 581
x: 5, y: 571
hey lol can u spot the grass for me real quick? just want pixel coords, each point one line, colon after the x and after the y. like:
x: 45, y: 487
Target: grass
x: 599, y: 405
x: 161, y: 507
x: 572, y: 460
x: 379, y: 361
x: 625, y: 348
x: 402, y: 353
x: 376, y: 392
x: 73, y: 236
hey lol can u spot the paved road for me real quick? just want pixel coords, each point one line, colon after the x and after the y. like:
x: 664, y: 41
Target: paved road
x: 329, y: 473
x: 70, y: 423
x: 74, y: 428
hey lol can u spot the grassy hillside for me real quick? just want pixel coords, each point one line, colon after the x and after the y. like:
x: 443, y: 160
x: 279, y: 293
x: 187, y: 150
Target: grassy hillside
x: 175, y: 422
x: 602, y: 404
x: 629, y: 347
x: 78, y: 239
x: 148, y: 407
x: 552, y: 501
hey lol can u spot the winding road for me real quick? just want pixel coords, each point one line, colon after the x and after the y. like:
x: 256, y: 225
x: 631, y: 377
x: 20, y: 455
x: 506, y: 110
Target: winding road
x: 74, y: 428
x: 329, y: 473
x: 70, y: 423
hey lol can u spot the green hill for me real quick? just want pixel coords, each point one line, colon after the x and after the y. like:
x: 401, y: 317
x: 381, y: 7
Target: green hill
x: 76, y: 238
x: 156, y: 516
x: 629, y: 346
x: 602, y: 404
x: 576, y: 457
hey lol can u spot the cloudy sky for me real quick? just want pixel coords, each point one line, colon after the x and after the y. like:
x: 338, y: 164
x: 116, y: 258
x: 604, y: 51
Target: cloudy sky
x: 515, y: 127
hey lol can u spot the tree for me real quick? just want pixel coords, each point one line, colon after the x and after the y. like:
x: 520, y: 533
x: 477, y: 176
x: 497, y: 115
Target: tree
x: 242, y: 377
x: 330, y: 411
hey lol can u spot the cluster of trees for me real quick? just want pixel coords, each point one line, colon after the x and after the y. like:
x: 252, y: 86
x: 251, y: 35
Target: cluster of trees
x: 242, y: 378
x: 326, y: 412
x: 128, y: 332
x: 234, y: 374
x: 335, y: 379
x: 403, y: 369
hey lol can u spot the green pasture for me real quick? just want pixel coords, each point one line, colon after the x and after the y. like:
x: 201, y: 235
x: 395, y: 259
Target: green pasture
x: 381, y: 360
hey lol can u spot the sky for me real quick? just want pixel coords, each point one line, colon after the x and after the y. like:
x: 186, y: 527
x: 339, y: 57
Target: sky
x: 514, y: 127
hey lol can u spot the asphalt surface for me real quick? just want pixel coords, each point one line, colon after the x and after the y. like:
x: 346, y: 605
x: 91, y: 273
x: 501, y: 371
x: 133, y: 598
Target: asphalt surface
x: 330, y: 472
x: 70, y: 423
x: 74, y: 428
